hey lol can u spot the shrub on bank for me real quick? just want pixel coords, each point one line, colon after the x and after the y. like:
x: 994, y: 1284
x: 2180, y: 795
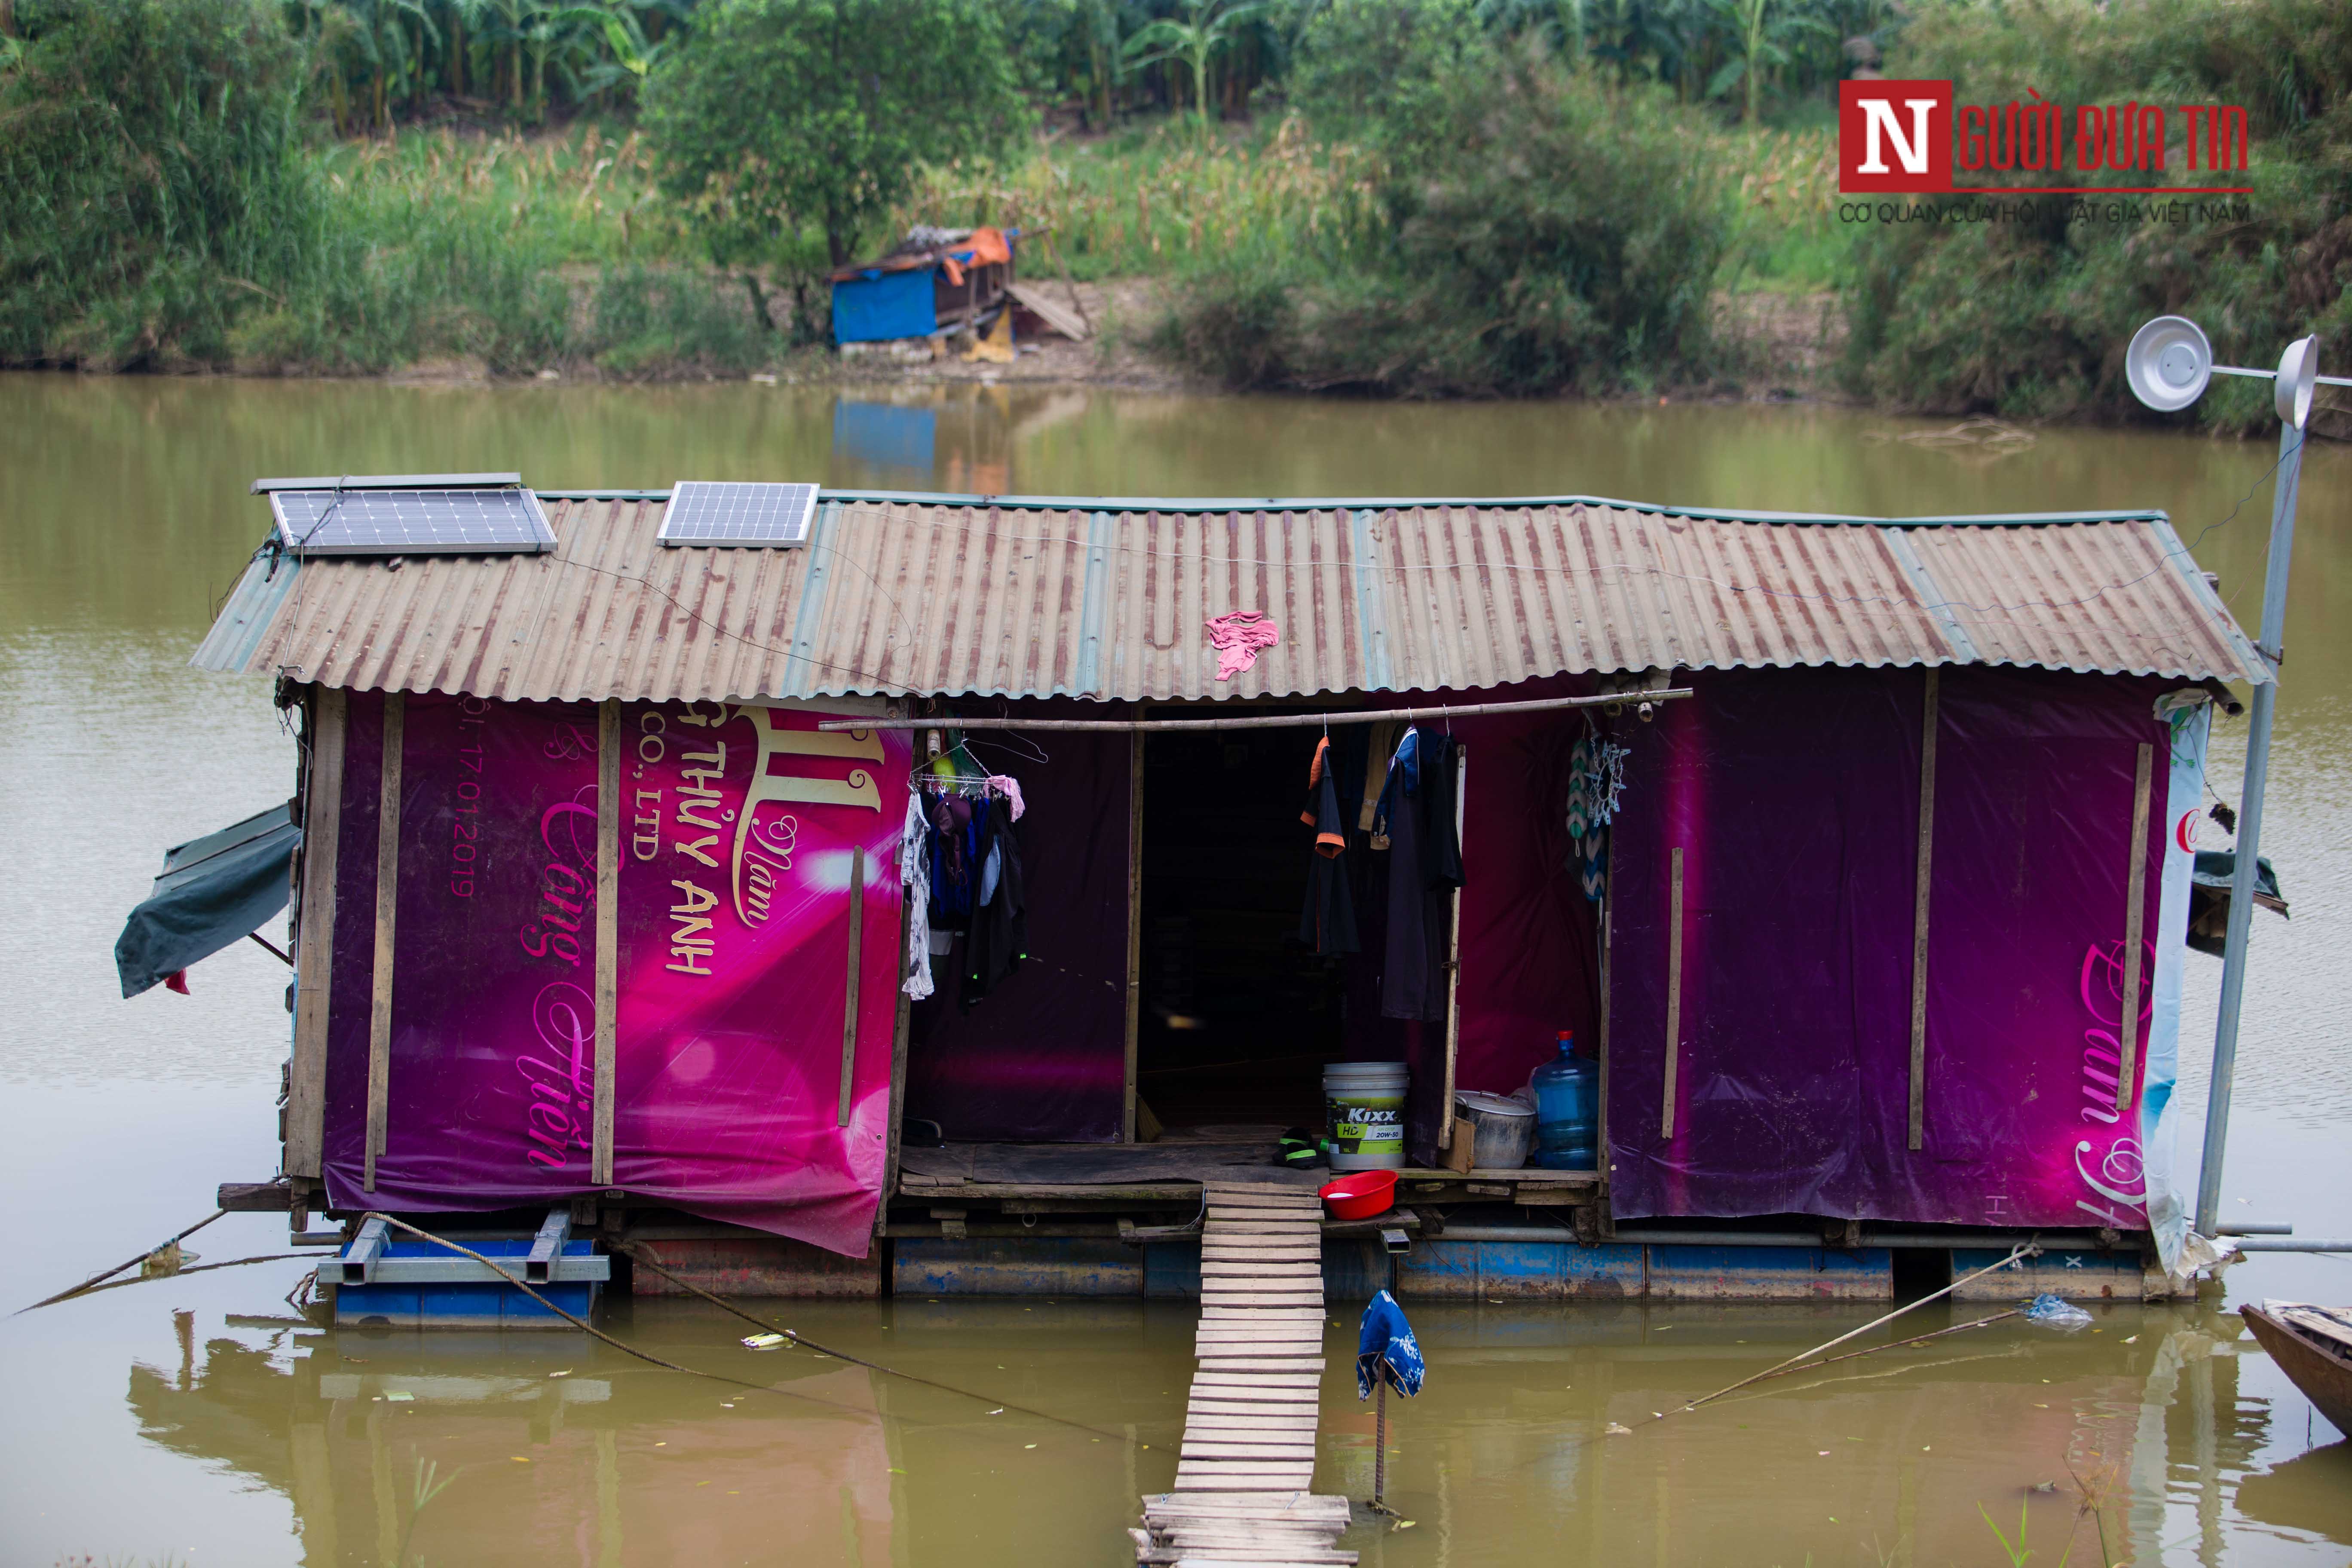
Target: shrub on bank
x: 1546, y: 229
x: 151, y: 180
x: 2031, y: 320
x: 783, y: 118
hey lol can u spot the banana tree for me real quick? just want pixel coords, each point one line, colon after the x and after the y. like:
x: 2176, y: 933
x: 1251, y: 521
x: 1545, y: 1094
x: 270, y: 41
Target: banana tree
x: 1214, y: 26
x: 1763, y: 35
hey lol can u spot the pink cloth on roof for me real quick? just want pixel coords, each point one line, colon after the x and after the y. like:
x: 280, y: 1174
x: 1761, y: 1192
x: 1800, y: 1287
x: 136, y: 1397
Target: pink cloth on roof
x: 1239, y: 638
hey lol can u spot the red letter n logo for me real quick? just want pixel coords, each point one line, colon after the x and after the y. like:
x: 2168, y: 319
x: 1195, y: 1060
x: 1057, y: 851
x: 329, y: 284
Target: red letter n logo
x: 1894, y: 136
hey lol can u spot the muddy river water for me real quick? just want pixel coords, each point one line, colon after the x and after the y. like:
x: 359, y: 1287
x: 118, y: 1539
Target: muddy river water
x: 195, y: 1421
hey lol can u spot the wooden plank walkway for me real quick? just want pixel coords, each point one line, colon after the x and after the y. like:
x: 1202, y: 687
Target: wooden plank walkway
x: 1248, y: 1456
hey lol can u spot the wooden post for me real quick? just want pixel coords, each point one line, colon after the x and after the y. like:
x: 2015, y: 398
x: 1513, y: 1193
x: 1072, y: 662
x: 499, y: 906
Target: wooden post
x: 608, y: 935
x: 2135, y: 911
x: 849, y: 992
x: 1673, y: 996
x: 1380, y: 1434
x: 897, y: 1103
x: 1452, y: 962
x: 903, y: 968
x: 1601, y: 1094
x: 1922, y: 884
x: 322, y: 821
x: 1134, y: 922
x: 387, y: 905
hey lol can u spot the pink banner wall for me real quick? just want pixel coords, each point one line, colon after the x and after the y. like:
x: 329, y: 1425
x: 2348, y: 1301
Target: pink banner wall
x: 739, y: 826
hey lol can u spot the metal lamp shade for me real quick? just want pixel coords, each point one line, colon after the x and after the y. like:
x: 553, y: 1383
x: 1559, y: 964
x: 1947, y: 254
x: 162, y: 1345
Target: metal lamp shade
x: 2298, y: 373
x: 2169, y: 363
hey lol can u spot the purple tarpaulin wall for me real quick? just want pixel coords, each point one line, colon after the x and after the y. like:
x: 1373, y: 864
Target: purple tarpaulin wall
x: 1044, y: 1057
x: 738, y: 826
x: 1794, y: 796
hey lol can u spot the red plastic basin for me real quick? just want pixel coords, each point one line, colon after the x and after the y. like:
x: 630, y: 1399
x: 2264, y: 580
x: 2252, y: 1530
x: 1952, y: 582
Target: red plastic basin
x: 1359, y: 1194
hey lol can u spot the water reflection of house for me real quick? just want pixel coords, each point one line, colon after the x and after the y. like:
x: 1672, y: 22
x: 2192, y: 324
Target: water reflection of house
x: 1897, y: 808
x: 533, y: 1460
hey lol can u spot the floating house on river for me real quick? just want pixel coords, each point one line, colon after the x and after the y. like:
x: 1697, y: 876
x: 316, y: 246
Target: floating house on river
x: 1858, y: 850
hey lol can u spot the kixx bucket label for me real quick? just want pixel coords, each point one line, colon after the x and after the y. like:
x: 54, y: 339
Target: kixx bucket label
x: 1355, y: 1126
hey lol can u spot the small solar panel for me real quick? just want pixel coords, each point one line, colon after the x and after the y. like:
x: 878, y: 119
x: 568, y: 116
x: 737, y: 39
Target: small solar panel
x: 705, y: 513
x: 458, y: 521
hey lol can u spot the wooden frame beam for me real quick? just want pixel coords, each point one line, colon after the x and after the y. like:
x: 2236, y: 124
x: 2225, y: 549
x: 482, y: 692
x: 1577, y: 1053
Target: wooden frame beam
x: 323, y: 818
x: 1601, y: 1095
x: 1929, y: 721
x: 2135, y: 922
x: 1134, y: 926
x: 1452, y: 954
x: 849, y: 991
x: 387, y: 906
x: 1673, y: 995
x: 608, y: 935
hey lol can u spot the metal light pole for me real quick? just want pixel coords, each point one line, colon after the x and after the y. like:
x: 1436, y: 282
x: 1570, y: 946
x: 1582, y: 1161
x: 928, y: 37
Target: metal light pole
x: 2168, y: 365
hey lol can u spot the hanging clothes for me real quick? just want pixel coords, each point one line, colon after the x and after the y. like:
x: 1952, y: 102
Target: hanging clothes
x: 1379, y: 745
x: 999, y: 940
x: 1596, y: 777
x: 1327, y: 924
x: 1441, y: 827
x: 1009, y: 788
x: 1413, y: 970
x: 956, y: 859
x: 915, y: 871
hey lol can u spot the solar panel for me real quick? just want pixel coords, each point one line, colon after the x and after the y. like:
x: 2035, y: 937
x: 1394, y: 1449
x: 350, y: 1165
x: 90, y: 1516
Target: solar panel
x: 705, y: 513
x: 458, y: 521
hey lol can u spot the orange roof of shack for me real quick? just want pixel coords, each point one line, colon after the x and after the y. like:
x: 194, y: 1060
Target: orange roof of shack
x: 1038, y: 596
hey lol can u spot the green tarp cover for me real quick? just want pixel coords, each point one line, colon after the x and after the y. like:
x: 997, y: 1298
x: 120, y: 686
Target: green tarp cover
x: 213, y: 891
x: 2217, y: 867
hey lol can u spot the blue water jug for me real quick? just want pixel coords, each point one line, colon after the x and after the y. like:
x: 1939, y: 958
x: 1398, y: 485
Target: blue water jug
x: 1568, y: 1111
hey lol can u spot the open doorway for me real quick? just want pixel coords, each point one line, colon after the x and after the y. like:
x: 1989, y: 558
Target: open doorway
x: 1237, y: 1018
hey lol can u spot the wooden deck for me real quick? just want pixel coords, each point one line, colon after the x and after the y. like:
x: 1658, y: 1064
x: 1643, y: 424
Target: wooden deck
x: 1248, y: 1459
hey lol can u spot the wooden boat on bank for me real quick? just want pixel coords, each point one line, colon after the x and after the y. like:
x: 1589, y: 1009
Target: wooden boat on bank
x: 2312, y: 1345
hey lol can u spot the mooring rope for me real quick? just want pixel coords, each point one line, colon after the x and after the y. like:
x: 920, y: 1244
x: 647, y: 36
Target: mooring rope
x: 637, y: 1250
x: 595, y: 1332
x: 2023, y: 1250
x: 72, y: 1290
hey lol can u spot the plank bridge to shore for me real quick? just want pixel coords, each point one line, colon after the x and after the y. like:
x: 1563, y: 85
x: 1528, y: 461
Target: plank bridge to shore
x: 1248, y: 1459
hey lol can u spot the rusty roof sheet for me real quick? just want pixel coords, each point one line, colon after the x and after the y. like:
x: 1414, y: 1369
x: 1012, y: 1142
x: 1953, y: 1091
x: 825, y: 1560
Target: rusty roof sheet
x: 1107, y: 599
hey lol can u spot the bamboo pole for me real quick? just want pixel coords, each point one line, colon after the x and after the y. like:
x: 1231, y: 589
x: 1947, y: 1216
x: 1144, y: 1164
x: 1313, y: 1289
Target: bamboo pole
x: 1269, y: 722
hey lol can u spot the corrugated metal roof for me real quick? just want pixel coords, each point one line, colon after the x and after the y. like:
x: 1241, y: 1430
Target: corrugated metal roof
x: 1048, y: 596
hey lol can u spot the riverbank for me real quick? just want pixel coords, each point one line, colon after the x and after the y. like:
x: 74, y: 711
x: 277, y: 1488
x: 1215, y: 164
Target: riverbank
x: 1791, y: 340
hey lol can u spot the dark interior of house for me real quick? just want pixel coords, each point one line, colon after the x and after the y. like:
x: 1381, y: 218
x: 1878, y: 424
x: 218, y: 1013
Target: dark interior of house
x: 1238, y: 1017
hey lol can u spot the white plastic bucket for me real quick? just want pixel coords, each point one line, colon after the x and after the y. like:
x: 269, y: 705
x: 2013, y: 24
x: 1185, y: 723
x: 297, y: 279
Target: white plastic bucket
x: 1365, y: 1105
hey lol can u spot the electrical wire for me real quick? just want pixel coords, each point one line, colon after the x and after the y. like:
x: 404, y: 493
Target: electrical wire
x: 639, y: 1253
x: 596, y: 1333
